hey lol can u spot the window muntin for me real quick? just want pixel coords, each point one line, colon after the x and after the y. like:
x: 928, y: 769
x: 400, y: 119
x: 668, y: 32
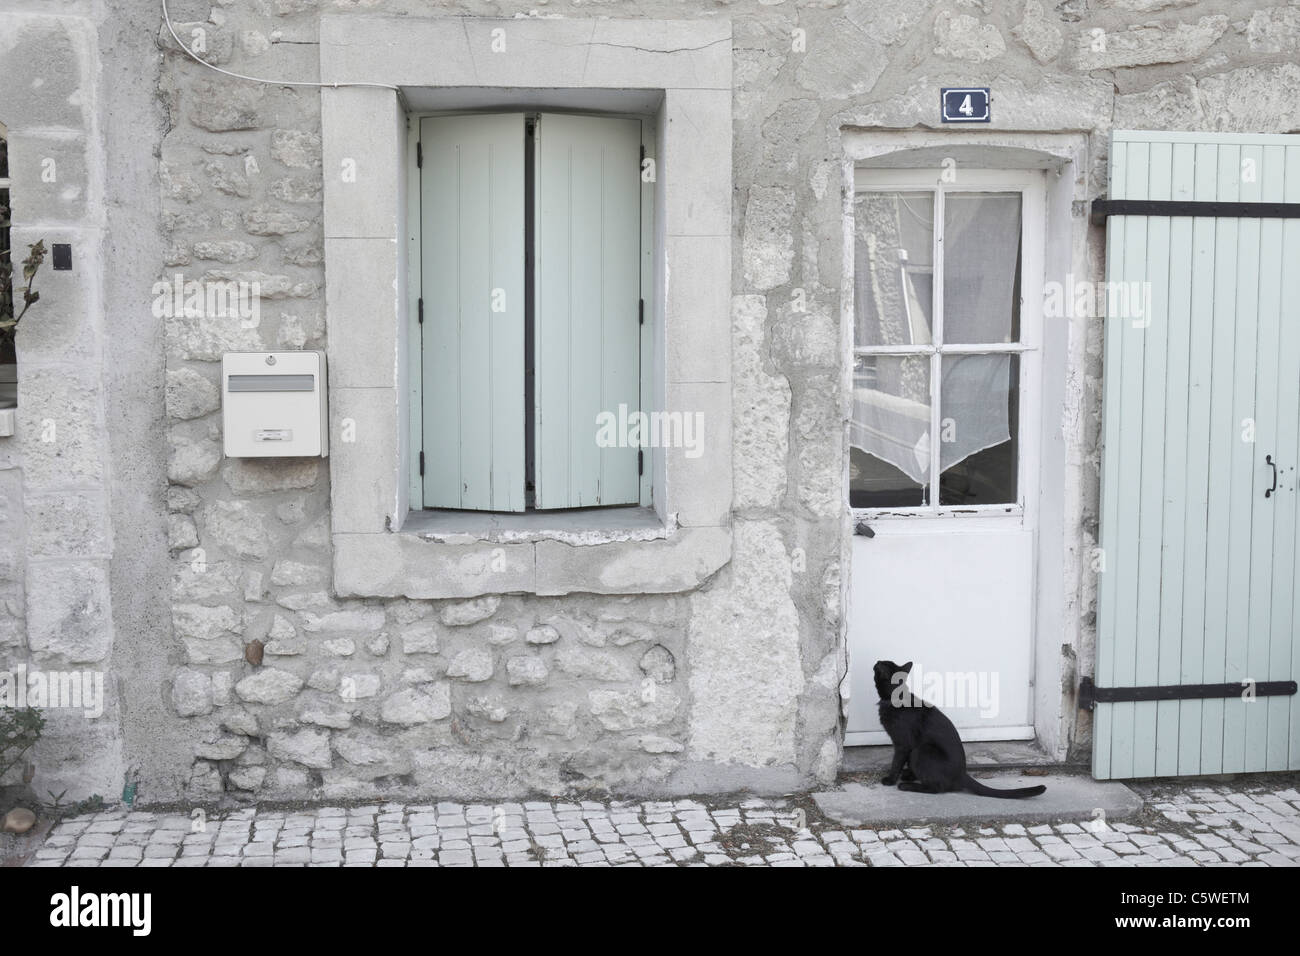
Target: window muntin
x: 937, y: 348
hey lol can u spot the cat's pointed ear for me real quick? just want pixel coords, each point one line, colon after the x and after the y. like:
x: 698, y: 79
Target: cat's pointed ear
x: 906, y: 668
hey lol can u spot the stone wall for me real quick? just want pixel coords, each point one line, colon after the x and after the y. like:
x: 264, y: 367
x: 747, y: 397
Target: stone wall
x: 56, y: 535
x: 252, y: 679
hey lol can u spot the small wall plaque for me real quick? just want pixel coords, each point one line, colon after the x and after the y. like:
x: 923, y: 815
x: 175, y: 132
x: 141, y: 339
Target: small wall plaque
x: 965, y: 104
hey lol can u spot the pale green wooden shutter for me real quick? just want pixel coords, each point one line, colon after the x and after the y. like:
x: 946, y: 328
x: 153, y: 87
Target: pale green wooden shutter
x: 1198, y: 566
x: 472, y: 227
x: 587, y: 289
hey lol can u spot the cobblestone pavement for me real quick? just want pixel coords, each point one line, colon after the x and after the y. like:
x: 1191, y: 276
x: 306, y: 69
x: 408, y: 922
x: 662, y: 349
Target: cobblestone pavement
x: 1182, y: 825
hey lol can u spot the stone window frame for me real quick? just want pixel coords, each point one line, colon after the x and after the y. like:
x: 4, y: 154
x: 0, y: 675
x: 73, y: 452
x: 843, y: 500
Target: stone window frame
x: 686, y: 66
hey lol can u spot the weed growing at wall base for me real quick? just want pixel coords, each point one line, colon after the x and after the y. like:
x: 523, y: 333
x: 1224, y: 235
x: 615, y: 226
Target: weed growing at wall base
x: 20, y: 729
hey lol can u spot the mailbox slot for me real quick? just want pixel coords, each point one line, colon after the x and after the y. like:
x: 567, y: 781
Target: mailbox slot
x: 272, y: 383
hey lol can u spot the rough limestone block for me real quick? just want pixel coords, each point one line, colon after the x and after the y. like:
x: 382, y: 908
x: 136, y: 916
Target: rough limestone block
x: 68, y: 612
x: 268, y: 686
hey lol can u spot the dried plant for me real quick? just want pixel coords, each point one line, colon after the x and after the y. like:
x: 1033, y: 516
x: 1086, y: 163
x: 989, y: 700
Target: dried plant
x: 19, y: 731
x: 9, y: 316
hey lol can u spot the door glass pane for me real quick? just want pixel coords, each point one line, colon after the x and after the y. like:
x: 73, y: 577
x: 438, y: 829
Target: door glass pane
x: 981, y: 268
x: 894, y: 268
x: 979, y: 408
x: 889, y: 436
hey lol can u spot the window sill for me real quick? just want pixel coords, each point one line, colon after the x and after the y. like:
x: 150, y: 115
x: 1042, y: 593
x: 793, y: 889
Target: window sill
x: 944, y: 511
x: 577, y: 527
x: 450, y: 557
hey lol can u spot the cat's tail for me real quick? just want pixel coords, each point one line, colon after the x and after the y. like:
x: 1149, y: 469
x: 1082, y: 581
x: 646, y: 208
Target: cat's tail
x: 974, y: 786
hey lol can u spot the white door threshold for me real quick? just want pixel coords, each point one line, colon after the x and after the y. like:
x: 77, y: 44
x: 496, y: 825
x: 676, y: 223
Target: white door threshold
x: 876, y: 738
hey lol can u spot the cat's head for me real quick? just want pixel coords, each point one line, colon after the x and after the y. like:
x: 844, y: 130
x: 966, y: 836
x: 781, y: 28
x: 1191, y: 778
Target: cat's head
x: 889, y: 675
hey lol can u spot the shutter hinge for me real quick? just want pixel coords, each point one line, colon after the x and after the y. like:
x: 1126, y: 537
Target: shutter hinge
x: 419, y: 155
x: 421, y: 464
x: 640, y: 463
x: 640, y: 312
x: 419, y: 311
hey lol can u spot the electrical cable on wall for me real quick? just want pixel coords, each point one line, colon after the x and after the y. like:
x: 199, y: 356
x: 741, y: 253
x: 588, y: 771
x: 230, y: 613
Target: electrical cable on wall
x: 257, y: 79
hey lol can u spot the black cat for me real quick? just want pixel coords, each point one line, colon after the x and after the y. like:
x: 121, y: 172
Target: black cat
x: 928, y: 755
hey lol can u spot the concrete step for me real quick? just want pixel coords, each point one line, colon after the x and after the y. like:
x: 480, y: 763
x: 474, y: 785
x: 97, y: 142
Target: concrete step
x: 1069, y: 797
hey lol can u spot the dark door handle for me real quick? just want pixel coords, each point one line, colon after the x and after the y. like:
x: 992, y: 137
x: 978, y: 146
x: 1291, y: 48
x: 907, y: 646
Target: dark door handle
x: 1268, y: 460
x: 863, y: 529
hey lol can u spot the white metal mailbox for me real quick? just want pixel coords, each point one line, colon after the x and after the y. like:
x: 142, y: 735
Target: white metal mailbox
x: 273, y: 404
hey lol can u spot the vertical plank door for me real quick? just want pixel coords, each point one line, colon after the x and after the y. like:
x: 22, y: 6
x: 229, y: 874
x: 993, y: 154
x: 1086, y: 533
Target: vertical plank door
x: 1201, y: 392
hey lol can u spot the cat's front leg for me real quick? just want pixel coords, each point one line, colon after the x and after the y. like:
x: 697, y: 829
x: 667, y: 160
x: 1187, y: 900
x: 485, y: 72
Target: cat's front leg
x: 900, y: 761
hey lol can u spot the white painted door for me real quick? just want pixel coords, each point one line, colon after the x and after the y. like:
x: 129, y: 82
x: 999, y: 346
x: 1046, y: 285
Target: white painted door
x: 943, y: 468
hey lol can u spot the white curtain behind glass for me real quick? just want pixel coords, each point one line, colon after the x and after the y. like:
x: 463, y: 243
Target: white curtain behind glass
x: 891, y: 415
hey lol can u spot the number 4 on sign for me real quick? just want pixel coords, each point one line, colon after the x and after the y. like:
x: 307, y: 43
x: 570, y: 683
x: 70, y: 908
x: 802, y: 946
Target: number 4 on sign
x: 966, y: 107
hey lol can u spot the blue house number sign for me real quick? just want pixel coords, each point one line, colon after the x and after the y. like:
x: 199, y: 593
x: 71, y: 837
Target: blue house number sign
x: 965, y: 104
